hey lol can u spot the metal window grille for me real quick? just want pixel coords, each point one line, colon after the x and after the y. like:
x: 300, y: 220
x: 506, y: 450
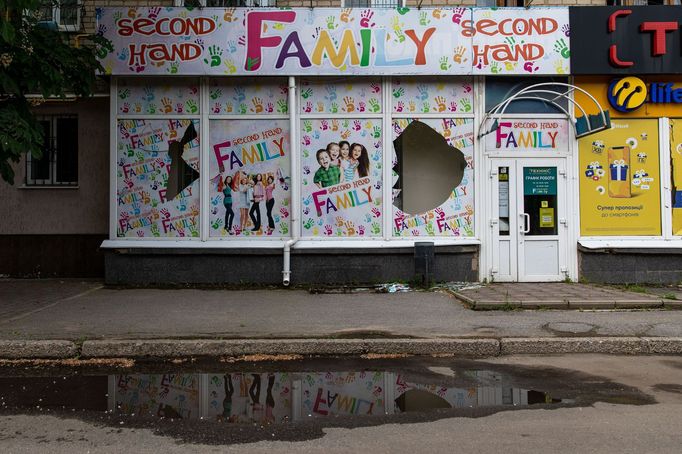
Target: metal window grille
x: 228, y: 3
x: 372, y: 3
x: 65, y: 13
x: 58, y: 165
x: 642, y: 2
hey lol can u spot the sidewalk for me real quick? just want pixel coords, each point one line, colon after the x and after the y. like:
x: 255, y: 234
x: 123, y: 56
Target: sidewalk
x: 52, y: 318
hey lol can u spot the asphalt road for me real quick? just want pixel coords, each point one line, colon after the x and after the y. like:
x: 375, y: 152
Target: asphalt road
x: 648, y: 422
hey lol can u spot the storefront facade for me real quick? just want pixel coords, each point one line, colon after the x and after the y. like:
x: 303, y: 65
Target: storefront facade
x: 329, y: 145
x: 396, y: 99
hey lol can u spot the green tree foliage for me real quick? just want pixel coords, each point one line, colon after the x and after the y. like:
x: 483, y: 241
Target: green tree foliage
x: 36, y: 59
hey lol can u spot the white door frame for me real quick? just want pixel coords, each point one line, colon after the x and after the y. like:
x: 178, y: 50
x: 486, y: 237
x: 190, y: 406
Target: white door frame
x: 515, y: 244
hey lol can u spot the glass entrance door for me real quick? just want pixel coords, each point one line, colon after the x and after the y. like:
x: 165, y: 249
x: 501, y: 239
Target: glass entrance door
x: 528, y: 220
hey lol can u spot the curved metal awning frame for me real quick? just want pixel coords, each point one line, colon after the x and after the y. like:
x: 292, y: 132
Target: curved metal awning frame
x: 583, y: 126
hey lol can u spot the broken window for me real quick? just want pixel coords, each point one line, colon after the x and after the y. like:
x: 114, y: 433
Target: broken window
x: 433, y: 157
x: 158, y: 178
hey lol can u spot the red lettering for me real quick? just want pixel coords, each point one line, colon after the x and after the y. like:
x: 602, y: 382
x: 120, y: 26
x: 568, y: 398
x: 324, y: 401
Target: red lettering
x: 659, y: 29
x: 177, y: 26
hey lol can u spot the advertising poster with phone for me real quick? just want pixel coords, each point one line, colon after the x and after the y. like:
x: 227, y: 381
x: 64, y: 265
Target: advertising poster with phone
x: 620, y: 190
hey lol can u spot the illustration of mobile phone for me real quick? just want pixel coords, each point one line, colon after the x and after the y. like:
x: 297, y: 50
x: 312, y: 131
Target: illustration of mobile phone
x: 619, y: 172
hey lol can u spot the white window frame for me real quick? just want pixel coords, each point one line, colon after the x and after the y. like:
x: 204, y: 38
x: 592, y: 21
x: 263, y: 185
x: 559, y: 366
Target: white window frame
x: 390, y: 116
x: 386, y: 239
x: 31, y: 182
x: 203, y: 3
x: 401, y: 3
x: 56, y: 18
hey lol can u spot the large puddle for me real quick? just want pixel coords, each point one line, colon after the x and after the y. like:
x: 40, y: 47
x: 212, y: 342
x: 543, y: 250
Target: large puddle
x: 326, y: 392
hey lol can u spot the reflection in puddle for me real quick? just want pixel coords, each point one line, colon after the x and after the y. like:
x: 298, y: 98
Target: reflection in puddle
x: 266, y: 398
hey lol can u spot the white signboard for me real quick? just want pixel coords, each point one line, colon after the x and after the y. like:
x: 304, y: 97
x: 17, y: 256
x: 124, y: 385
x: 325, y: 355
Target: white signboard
x: 333, y: 41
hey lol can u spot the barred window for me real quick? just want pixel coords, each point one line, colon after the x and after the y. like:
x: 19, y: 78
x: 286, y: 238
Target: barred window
x: 59, y: 164
x: 65, y: 13
x: 227, y: 3
x: 372, y: 3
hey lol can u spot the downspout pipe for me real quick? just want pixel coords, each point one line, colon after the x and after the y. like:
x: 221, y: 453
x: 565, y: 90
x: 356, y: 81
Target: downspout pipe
x: 295, y: 188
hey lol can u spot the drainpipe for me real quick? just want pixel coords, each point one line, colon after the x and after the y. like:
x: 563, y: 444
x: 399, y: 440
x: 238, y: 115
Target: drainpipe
x: 295, y: 189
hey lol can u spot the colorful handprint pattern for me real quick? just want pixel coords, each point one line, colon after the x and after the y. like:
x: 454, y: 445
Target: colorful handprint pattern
x: 355, y: 96
x: 432, y: 95
x: 238, y: 96
x: 144, y: 164
x: 342, y: 195
x: 172, y: 97
x: 250, y: 157
x: 454, y: 217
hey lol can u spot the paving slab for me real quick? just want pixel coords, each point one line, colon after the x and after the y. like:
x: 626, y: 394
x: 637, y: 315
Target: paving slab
x: 556, y: 294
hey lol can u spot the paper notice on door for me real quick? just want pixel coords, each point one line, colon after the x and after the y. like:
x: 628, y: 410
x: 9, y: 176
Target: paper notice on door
x: 546, y: 218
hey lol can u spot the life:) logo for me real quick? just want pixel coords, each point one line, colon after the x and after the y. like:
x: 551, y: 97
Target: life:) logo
x: 627, y: 94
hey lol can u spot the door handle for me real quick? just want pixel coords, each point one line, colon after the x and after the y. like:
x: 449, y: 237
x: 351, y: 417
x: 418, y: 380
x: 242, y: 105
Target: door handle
x: 526, y: 222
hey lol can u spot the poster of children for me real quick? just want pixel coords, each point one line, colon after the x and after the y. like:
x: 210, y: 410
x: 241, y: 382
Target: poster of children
x: 341, y: 176
x: 250, y: 178
x: 455, y: 216
x: 157, y: 181
x: 250, y: 398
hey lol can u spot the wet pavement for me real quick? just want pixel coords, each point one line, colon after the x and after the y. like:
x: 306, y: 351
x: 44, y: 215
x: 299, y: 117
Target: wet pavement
x: 519, y: 404
x: 295, y: 400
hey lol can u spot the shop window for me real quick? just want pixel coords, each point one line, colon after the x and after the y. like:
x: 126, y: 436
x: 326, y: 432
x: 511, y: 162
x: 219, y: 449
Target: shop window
x: 341, y: 177
x: 432, y: 156
x: 433, y: 177
x: 620, y: 185
x: 240, y: 96
x: 58, y: 165
x: 498, y: 89
x: 65, y: 13
x: 172, y: 97
x: 343, y: 96
x: 158, y: 178
x: 249, y: 186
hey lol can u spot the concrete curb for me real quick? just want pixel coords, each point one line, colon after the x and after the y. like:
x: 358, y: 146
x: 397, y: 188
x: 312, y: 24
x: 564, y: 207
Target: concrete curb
x: 24, y: 349
x: 167, y: 348
x: 551, y: 345
x: 471, y: 348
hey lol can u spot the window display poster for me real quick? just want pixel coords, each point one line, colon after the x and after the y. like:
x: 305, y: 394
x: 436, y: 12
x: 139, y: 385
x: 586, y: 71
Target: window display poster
x: 620, y: 191
x: 157, y: 179
x: 250, y: 397
x: 250, y: 178
x: 676, y: 162
x: 173, y: 396
x: 343, y: 393
x: 341, y: 177
x: 455, y: 216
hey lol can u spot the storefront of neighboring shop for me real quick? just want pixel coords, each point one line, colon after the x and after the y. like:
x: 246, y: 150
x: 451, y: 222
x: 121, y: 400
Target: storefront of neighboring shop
x: 325, y: 145
x: 630, y: 176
